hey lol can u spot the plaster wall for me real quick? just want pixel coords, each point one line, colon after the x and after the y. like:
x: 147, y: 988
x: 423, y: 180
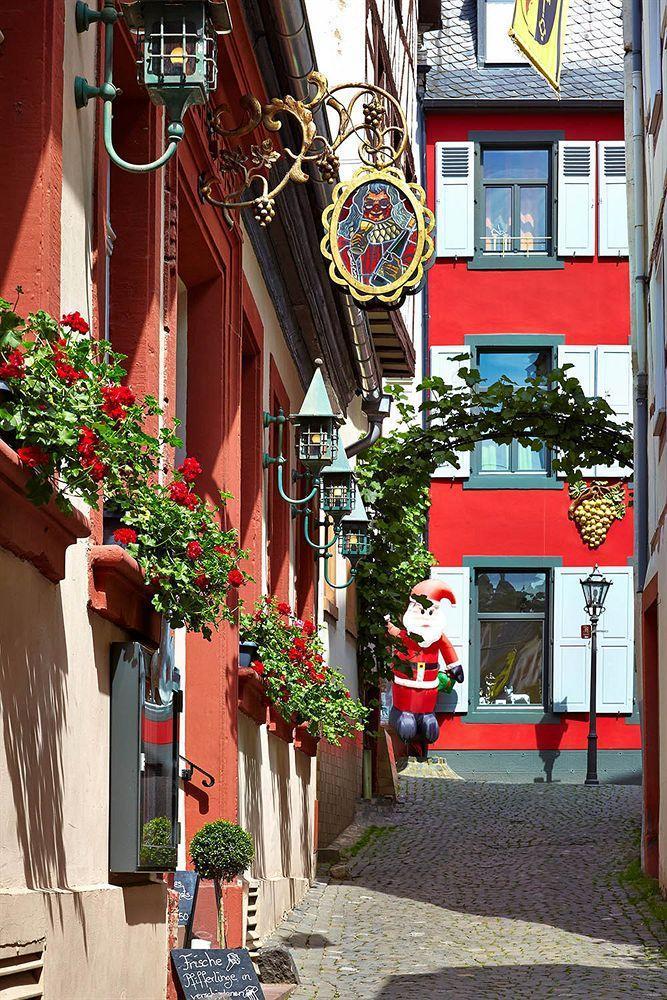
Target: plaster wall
x: 654, y: 717
x: 277, y: 805
x: 54, y: 777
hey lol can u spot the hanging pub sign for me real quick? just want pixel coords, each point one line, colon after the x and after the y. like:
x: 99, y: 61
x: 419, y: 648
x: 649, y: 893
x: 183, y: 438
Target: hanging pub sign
x: 377, y: 235
x: 377, y: 229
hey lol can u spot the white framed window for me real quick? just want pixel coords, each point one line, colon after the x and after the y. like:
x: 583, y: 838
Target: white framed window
x: 494, y: 18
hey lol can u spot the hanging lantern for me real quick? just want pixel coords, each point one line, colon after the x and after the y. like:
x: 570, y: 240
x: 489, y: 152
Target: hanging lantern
x: 337, y: 489
x: 354, y: 538
x: 316, y: 428
x: 177, y: 57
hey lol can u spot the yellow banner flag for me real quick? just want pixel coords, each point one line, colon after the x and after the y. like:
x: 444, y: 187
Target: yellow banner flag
x: 538, y: 28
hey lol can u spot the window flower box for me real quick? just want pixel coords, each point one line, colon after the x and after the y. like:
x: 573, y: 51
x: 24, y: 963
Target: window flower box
x: 305, y: 741
x: 42, y: 534
x: 118, y: 592
x: 252, y: 698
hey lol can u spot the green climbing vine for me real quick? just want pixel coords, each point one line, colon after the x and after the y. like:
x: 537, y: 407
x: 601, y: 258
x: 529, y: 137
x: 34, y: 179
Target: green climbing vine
x: 394, y: 475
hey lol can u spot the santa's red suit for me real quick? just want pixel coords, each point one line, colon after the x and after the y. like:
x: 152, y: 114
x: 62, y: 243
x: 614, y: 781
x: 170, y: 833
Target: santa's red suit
x: 416, y: 689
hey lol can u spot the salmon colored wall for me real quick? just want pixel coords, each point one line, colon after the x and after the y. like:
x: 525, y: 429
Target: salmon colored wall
x: 587, y: 301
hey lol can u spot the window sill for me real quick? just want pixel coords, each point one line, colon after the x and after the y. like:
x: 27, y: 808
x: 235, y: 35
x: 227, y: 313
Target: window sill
x: 505, y: 262
x: 118, y: 593
x: 512, y: 481
x: 38, y: 535
x: 500, y: 715
x: 252, y: 697
x: 305, y: 741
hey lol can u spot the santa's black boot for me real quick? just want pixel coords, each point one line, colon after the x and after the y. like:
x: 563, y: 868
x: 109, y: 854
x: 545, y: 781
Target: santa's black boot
x: 429, y: 728
x: 404, y: 725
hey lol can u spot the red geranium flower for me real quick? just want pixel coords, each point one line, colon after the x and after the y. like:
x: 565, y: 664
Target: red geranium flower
x: 116, y: 399
x: 257, y: 666
x: 284, y: 609
x: 98, y: 470
x: 125, y: 536
x: 309, y: 628
x: 75, y: 321
x: 235, y: 577
x: 202, y: 581
x: 190, y: 469
x: 33, y: 455
x: 180, y: 493
x: 347, y: 694
x: 13, y: 366
x: 300, y: 643
x: 193, y: 550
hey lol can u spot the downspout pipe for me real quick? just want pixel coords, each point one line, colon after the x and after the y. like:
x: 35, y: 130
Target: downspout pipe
x: 640, y: 345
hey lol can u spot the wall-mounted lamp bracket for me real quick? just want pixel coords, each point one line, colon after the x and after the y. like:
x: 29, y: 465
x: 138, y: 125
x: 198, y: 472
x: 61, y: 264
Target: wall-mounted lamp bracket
x: 187, y: 772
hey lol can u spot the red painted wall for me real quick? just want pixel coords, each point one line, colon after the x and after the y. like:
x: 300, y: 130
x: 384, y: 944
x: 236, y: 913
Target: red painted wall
x: 587, y: 301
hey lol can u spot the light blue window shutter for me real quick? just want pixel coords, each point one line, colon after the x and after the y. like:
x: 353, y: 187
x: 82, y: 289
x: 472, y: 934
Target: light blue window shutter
x: 657, y: 354
x: 613, y: 236
x: 614, y: 384
x: 616, y: 644
x: 583, y: 360
x: 571, y: 653
x: 454, y: 199
x: 444, y: 366
x: 458, y: 632
x: 576, y: 199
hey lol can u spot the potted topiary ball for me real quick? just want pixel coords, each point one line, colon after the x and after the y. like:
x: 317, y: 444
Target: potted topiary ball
x: 221, y: 851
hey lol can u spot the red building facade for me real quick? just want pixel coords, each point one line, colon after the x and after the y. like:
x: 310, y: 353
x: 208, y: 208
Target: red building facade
x: 531, y: 272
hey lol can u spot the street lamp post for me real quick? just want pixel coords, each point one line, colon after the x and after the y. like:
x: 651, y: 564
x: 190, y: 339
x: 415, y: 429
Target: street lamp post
x: 595, y: 588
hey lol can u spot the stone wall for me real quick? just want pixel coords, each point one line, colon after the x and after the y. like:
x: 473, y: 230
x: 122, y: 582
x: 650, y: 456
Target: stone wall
x: 338, y: 787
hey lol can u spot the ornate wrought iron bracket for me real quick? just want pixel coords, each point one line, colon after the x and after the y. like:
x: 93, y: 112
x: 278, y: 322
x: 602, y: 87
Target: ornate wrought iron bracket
x: 377, y: 231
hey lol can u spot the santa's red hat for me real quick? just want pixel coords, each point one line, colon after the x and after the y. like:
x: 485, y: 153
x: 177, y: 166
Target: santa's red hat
x: 434, y: 590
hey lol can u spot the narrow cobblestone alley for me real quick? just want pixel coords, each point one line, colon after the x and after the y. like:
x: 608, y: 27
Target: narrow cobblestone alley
x: 485, y: 890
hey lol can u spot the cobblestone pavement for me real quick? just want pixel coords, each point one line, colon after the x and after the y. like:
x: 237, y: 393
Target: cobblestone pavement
x: 485, y: 890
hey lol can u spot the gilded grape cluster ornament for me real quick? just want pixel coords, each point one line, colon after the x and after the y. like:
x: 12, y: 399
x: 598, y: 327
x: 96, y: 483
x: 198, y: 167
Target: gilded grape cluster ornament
x: 594, y: 508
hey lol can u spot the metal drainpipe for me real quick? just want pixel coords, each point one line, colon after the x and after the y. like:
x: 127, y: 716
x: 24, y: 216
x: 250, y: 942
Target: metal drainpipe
x: 292, y: 28
x: 640, y: 338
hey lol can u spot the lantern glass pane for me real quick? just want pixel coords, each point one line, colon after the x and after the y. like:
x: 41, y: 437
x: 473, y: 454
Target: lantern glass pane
x: 355, y: 541
x: 338, y: 493
x: 172, y: 47
x: 317, y: 442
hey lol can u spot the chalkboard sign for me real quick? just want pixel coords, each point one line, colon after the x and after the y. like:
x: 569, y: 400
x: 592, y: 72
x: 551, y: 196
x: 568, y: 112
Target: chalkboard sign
x: 216, y: 974
x: 186, y: 885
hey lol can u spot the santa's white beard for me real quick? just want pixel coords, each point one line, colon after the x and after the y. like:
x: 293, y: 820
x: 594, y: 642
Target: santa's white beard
x: 428, y: 632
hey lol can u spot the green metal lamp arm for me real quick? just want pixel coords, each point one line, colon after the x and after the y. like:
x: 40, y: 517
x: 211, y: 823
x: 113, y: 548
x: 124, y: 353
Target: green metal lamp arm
x: 338, y: 586
x: 314, y: 545
x: 107, y: 93
x: 175, y: 132
x: 281, y: 490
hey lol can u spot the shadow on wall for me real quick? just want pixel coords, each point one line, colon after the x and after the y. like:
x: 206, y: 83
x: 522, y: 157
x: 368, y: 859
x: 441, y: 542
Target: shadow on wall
x: 33, y: 681
x: 516, y: 981
x: 251, y: 791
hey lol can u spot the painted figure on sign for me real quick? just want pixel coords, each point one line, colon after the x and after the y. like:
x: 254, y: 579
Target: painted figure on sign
x: 425, y: 663
x: 378, y: 237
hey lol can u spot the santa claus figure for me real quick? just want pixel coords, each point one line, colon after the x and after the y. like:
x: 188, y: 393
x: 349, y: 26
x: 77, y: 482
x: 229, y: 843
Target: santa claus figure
x: 425, y: 663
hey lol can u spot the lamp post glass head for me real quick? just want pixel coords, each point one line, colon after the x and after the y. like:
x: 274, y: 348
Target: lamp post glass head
x: 595, y: 588
x: 177, y: 49
x: 354, y: 538
x: 316, y: 427
x: 337, y: 489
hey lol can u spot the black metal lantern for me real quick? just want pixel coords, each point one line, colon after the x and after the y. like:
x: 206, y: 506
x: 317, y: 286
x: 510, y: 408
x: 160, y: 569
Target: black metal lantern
x: 177, y: 58
x: 354, y: 538
x: 595, y: 588
x: 337, y: 489
x: 316, y: 428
